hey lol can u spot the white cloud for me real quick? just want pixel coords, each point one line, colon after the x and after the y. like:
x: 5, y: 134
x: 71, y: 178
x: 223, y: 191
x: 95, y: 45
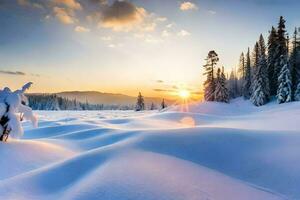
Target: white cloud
x: 161, y: 19
x: 170, y: 25
x: 165, y: 33
x: 139, y: 35
x: 212, y: 12
x: 152, y: 40
x: 106, y: 38
x: 81, y: 29
x: 188, y: 6
x: 183, y: 33
x: 115, y: 45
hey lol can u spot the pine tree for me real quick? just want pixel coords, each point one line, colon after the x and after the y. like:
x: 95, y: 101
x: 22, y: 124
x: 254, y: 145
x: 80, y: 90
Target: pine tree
x: 140, y: 104
x: 297, y: 93
x: 209, y: 84
x: 295, y: 61
x: 247, y: 80
x: 152, y: 107
x: 163, y: 104
x: 221, y: 92
x: 281, y: 50
x: 284, y: 92
x: 232, y: 85
x: 255, y: 58
x: 261, y: 90
x: 272, y: 48
x: 241, y: 69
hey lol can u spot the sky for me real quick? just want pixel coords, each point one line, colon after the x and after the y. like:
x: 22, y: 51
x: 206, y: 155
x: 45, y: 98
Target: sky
x: 152, y: 46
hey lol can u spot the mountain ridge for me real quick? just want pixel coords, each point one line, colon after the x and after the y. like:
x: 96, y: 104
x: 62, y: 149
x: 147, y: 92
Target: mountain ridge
x: 96, y: 97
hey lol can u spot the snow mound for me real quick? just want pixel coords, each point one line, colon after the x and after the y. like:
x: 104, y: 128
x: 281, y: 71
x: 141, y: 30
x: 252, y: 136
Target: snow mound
x: 214, y: 151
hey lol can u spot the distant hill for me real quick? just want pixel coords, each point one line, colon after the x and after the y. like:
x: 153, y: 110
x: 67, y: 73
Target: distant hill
x: 95, y: 97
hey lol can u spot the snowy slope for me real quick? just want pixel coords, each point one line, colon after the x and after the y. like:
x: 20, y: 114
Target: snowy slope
x: 214, y: 151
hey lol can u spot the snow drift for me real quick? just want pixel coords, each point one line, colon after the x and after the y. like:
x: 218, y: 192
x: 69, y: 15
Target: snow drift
x: 214, y: 151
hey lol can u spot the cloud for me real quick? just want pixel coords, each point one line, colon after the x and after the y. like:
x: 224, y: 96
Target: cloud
x: 152, y: 40
x: 63, y: 15
x: 122, y: 16
x: 212, y: 12
x: 106, y: 38
x: 100, y: 2
x: 183, y: 33
x: 19, y: 73
x: 161, y: 19
x: 72, y: 4
x: 28, y: 3
x: 116, y: 15
x: 115, y: 45
x: 81, y: 29
x: 171, y: 25
x: 162, y: 90
x: 188, y: 6
x: 165, y: 33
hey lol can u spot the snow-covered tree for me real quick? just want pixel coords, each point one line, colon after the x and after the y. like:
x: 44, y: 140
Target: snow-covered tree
x: 281, y: 50
x: 295, y: 61
x: 152, y: 107
x: 232, y: 85
x: 261, y: 90
x: 241, y: 69
x: 247, y: 80
x: 255, y: 59
x: 163, y: 104
x: 272, y: 48
x: 13, y: 109
x: 221, y: 92
x: 209, y: 84
x: 284, y: 92
x: 297, y: 93
x: 140, y: 104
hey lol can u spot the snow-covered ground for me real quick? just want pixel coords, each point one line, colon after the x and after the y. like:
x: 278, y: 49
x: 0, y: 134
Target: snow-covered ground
x: 215, y: 151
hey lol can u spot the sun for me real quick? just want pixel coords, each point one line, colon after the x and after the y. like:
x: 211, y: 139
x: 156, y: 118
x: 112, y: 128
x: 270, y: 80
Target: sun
x: 184, y: 94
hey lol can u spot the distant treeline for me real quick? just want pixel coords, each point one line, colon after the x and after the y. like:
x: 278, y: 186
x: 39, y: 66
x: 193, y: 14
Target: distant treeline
x: 54, y: 102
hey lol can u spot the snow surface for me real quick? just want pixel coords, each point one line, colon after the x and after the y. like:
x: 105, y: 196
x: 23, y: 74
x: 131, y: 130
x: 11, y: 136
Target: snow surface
x: 215, y: 151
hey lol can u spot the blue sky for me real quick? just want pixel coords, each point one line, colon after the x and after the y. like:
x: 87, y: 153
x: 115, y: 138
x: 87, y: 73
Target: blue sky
x: 127, y: 46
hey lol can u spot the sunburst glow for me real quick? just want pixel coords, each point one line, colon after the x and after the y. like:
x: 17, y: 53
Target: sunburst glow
x: 184, y: 94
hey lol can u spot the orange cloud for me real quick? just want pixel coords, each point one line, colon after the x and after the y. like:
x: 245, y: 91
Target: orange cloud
x: 188, y: 6
x: 81, y: 29
x: 72, y: 4
x: 63, y: 15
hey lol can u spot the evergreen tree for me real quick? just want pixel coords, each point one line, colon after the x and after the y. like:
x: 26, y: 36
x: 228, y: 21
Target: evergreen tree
x: 261, y: 91
x: 297, y: 93
x: 272, y: 48
x: 241, y: 69
x: 221, y: 92
x: 140, y: 104
x: 255, y: 58
x: 295, y: 61
x: 209, y: 84
x: 232, y: 85
x: 163, y: 104
x: 247, y: 80
x: 152, y: 107
x: 284, y: 92
x: 281, y: 50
